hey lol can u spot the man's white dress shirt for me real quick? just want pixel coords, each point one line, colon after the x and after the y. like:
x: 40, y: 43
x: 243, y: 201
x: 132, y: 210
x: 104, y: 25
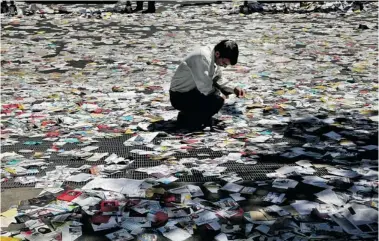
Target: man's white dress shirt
x: 197, y: 70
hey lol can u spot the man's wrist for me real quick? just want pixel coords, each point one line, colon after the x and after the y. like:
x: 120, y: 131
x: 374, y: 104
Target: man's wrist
x: 228, y: 91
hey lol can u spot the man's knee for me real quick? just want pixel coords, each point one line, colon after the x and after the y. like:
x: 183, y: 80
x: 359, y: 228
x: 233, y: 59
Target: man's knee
x: 216, y: 103
x: 220, y: 101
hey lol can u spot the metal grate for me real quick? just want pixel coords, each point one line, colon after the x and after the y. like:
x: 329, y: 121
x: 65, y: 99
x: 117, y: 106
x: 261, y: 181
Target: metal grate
x: 266, y: 163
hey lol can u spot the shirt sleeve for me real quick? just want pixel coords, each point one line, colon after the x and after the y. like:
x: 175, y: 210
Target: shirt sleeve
x: 200, y: 72
x: 217, y: 82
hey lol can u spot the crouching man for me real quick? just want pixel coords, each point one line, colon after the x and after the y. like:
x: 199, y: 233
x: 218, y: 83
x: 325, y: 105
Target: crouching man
x: 195, y: 87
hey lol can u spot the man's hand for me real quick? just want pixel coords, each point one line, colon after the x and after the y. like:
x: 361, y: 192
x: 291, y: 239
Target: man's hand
x: 239, y: 92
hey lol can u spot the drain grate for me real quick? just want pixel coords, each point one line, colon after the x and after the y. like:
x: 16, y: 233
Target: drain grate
x: 12, y: 184
x: 266, y: 163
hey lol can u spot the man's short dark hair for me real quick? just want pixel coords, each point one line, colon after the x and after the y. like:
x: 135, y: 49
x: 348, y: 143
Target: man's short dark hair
x: 228, y: 49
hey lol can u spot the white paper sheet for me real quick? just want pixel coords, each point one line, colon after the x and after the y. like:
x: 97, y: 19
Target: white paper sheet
x: 329, y: 196
x: 284, y: 183
x: 304, y: 207
x: 237, y: 197
x: 129, y: 187
x: 120, y: 235
x: 232, y: 187
x: 81, y: 177
x: 221, y: 237
x: 177, y: 234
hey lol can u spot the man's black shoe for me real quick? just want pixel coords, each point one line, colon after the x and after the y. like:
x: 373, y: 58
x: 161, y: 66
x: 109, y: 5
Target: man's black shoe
x: 150, y: 7
x: 139, y: 6
x: 12, y: 9
x: 149, y: 11
x: 4, y: 7
x: 128, y: 7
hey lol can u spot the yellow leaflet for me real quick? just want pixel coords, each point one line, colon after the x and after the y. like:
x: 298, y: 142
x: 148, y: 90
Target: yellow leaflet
x: 164, y: 148
x: 357, y: 69
x: 320, y: 87
x: 38, y: 154
x: 187, y: 197
x: 345, y: 142
x: 10, y: 170
x: 280, y: 92
x: 324, y: 99
x: 282, y: 112
x: 149, y: 193
x: 252, y: 134
x: 75, y: 91
x: 156, y: 118
x: 172, y: 159
x: 2, y: 238
x: 336, y: 84
x: 157, y: 158
x: 10, y: 213
x: 129, y: 131
x: 231, y: 131
x: 365, y: 112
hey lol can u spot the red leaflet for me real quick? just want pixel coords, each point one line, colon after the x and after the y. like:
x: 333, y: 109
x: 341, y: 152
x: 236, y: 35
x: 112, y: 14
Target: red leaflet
x: 69, y: 195
x: 53, y: 134
x: 97, y: 218
x: 109, y: 206
x: 10, y: 106
x: 101, y: 126
x: 186, y: 147
x: 98, y: 111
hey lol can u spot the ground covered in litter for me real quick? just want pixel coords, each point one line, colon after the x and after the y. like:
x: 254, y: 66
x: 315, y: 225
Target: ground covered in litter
x: 86, y: 118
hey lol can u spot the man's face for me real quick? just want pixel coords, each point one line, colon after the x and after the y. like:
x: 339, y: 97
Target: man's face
x: 221, y: 61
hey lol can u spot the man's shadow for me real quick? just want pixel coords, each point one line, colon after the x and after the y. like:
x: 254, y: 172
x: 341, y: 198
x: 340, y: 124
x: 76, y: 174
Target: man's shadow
x: 168, y: 126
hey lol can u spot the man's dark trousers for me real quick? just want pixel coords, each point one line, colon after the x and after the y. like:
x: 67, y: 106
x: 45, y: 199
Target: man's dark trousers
x: 196, y: 109
x: 150, y: 5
